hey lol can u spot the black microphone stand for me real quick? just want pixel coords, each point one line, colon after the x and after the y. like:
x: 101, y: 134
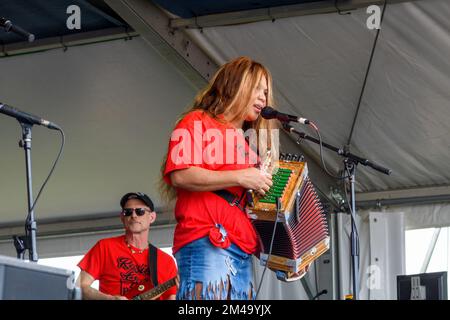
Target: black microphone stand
x: 27, y: 242
x: 350, y: 163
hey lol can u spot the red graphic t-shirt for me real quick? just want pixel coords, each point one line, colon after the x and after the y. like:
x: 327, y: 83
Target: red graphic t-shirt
x: 202, y: 141
x: 119, y: 270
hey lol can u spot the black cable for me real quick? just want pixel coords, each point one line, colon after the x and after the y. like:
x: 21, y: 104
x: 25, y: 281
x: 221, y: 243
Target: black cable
x: 355, y: 229
x: 359, y: 100
x: 63, y: 140
x: 321, y: 153
x: 366, y: 76
x: 343, y: 177
x: 345, y: 174
x: 324, y: 291
x: 270, y: 252
x: 316, y: 281
x: 351, y: 212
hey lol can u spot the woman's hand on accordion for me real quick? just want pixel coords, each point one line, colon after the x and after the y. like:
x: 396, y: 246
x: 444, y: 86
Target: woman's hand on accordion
x: 255, y: 179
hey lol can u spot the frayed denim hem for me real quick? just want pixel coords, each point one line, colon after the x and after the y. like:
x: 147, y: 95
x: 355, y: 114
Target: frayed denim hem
x: 223, y: 290
x: 211, y: 273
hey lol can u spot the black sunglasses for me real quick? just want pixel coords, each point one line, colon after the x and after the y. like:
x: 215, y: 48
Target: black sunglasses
x: 139, y: 211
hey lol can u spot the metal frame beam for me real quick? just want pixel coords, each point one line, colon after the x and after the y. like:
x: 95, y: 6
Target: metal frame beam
x: 249, y: 16
x: 152, y: 23
x: 412, y: 196
x: 404, y: 193
x: 66, y: 41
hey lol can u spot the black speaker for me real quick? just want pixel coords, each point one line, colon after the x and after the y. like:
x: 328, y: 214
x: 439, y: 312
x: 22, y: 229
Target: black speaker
x: 22, y: 280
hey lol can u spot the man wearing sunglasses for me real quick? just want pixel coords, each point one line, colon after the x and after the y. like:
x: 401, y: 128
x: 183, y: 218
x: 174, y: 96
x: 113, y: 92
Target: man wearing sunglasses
x: 128, y: 266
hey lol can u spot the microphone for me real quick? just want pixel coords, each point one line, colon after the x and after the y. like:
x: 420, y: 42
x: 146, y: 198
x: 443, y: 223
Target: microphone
x: 16, y: 29
x: 270, y: 113
x: 27, y: 117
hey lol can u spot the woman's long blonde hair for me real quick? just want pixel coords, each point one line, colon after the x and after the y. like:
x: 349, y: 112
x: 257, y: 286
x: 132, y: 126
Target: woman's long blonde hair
x: 230, y: 91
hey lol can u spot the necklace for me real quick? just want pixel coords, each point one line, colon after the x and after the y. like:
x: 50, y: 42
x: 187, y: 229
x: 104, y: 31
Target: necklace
x: 133, y: 250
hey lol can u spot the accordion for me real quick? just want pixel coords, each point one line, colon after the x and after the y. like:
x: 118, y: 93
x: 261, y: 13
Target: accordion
x: 301, y: 233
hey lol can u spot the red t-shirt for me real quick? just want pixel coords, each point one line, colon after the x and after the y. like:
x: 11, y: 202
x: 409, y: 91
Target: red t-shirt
x: 202, y: 141
x: 119, y: 270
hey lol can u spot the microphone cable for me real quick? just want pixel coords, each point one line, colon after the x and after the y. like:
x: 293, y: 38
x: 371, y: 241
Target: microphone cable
x: 313, y: 125
x: 63, y: 140
x: 324, y: 291
x: 345, y: 175
x: 351, y: 212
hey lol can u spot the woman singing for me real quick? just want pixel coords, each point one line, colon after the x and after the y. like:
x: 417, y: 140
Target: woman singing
x: 209, y: 166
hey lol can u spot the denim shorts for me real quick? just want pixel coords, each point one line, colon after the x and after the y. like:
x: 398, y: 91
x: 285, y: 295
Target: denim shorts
x: 211, y: 273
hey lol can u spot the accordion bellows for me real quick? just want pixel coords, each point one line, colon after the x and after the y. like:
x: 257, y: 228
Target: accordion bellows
x: 301, y: 234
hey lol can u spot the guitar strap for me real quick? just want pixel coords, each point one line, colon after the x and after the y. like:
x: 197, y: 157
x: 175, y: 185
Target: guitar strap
x: 152, y: 263
x: 231, y: 198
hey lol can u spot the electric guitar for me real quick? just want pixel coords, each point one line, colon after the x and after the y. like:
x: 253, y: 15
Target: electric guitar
x: 140, y: 292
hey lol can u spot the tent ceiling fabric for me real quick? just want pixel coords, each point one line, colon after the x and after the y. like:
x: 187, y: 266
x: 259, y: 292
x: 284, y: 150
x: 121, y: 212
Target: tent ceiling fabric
x: 195, y: 8
x: 319, y: 63
x: 101, y: 95
x: 47, y: 19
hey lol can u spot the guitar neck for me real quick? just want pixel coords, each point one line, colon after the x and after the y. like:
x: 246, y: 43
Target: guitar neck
x: 157, y: 290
